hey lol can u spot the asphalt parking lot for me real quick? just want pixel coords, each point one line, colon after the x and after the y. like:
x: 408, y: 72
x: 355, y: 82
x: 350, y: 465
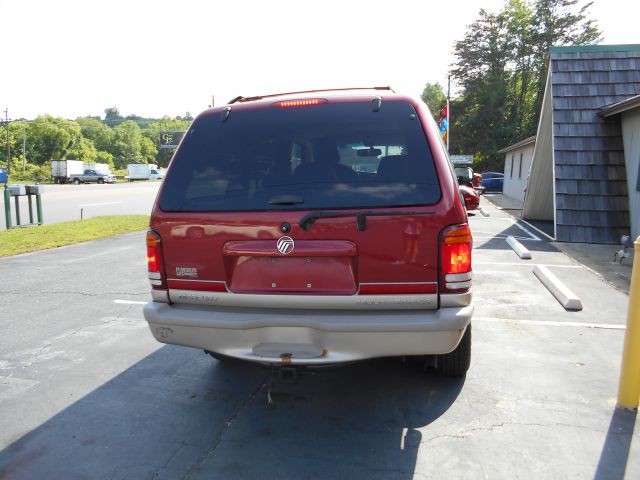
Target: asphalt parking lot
x: 85, y: 391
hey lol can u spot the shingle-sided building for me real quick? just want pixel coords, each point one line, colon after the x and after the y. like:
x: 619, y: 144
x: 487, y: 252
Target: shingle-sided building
x: 578, y: 178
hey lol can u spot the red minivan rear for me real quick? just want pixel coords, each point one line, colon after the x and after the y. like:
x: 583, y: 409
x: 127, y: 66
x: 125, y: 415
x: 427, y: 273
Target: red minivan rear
x: 312, y: 228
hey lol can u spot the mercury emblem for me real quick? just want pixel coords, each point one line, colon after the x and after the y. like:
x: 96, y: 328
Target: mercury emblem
x: 285, y: 245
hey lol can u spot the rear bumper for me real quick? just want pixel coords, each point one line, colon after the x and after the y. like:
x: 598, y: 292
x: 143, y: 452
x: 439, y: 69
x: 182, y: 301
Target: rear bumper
x: 308, y: 336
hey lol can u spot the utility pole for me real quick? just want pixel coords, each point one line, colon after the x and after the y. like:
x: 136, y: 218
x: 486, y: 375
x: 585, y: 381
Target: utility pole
x: 6, y: 118
x: 24, y: 148
x: 448, y: 109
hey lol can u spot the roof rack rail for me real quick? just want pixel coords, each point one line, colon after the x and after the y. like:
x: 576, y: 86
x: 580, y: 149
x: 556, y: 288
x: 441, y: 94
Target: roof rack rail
x: 241, y: 99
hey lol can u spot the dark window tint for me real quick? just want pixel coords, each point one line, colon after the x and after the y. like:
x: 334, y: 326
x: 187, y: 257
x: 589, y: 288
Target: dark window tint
x: 322, y: 156
x: 520, y: 167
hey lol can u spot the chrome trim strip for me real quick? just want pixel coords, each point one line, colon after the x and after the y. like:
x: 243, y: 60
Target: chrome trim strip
x: 448, y: 300
x: 458, y: 277
x: 161, y: 296
x: 398, y: 283
x: 196, y: 280
x: 307, y: 302
x: 458, y: 285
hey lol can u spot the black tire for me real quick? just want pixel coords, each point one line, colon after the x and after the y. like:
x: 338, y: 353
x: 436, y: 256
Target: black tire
x: 76, y: 181
x: 456, y: 363
x: 101, y: 180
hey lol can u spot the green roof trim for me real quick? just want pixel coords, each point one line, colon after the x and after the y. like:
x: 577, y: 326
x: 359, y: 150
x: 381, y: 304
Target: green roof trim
x: 631, y: 47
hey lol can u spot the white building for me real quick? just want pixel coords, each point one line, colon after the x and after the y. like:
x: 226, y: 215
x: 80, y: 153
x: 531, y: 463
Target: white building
x: 517, y: 163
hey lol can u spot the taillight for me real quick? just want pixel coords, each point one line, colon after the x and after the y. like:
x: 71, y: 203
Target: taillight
x: 154, y: 260
x: 455, y: 259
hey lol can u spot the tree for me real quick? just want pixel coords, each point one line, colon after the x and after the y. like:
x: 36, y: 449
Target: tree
x: 557, y: 24
x: 433, y: 95
x: 502, y: 66
x: 96, y: 131
x: 177, y: 124
x: 82, y: 149
x: 51, y: 138
x: 125, y: 146
x: 112, y: 116
x: 482, y: 70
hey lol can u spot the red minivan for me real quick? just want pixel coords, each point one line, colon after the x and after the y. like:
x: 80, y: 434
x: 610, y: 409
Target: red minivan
x: 313, y: 228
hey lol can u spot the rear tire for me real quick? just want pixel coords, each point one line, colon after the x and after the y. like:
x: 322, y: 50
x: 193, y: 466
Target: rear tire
x: 456, y: 363
x: 76, y: 181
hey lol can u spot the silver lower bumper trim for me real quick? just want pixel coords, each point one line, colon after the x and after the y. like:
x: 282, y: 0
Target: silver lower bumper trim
x: 340, y: 335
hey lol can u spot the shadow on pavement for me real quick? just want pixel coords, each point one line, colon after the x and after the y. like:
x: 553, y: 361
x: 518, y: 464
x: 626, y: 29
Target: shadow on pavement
x: 500, y: 240
x: 615, y: 452
x: 179, y: 414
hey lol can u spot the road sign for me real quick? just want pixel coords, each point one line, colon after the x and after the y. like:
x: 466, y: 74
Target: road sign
x: 3, y: 175
x: 461, y: 159
x: 170, y: 139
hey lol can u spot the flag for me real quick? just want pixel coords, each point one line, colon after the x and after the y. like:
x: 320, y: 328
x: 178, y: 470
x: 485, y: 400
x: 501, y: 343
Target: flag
x: 444, y: 122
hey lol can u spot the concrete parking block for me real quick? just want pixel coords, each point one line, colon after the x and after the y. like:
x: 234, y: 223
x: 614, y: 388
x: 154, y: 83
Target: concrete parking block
x: 566, y: 297
x: 522, y: 251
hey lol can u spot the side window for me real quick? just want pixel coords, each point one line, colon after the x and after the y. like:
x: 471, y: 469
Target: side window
x: 520, y: 167
x: 512, y: 155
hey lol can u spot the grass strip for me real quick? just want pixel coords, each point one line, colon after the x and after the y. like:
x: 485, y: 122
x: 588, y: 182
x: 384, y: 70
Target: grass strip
x: 31, y: 239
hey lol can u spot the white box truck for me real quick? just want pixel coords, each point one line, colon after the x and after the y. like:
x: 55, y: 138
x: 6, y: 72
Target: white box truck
x: 138, y: 171
x: 98, y: 167
x: 63, y: 170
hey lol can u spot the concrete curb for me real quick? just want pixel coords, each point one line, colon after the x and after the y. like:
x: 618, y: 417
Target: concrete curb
x: 522, y: 251
x: 566, y: 297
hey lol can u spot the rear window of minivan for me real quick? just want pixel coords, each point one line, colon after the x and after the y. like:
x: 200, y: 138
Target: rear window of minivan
x: 331, y: 155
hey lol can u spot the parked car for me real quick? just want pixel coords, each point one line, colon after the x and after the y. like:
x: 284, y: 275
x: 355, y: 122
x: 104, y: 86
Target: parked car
x: 492, y: 181
x: 477, y: 183
x: 270, y: 242
x: 90, y: 175
x: 464, y: 175
x: 471, y: 197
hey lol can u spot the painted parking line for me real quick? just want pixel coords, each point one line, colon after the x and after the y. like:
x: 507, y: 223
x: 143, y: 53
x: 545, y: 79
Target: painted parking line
x: 129, y: 302
x: 527, y: 264
x: 502, y: 236
x: 99, y: 204
x: 550, y: 323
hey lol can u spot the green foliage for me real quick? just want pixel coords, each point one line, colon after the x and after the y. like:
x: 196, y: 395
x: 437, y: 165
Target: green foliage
x: 126, y: 144
x: 23, y: 240
x: 502, y: 66
x: 433, y: 95
x: 27, y: 172
x: 112, y: 117
x: 116, y: 141
x: 163, y: 156
x: 51, y: 138
x: 105, y: 157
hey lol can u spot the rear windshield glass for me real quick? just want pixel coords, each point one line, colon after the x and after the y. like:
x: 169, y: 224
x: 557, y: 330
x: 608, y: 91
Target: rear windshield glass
x: 315, y: 157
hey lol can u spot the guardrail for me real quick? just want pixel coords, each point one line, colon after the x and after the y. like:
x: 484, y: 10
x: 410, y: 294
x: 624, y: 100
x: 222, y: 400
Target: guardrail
x: 17, y: 191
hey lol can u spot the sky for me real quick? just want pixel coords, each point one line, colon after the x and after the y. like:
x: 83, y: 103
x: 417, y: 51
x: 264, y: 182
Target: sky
x: 156, y: 58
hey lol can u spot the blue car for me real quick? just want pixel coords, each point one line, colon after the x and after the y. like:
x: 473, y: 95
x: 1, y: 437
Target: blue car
x: 492, y: 181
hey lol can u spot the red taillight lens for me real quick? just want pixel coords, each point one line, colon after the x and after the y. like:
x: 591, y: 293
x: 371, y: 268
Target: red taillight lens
x: 154, y: 259
x: 307, y: 102
x: 455, y: 259
x: 153, y: 251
